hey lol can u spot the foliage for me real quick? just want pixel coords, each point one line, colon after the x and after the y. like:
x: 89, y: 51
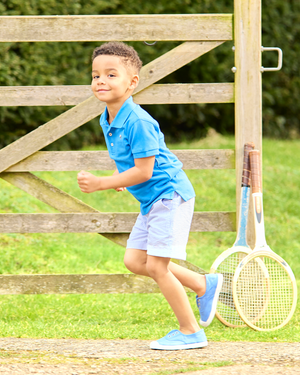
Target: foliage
x: 29, y: 64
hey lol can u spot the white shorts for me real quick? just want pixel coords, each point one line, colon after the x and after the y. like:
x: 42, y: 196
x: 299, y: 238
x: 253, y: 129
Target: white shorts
x: 164, y: 230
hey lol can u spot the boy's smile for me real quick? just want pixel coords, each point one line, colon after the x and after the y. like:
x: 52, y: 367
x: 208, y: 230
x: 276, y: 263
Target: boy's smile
x: 112, y: 82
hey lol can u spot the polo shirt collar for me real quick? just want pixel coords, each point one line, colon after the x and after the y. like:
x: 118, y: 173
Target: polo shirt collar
x: 122, y: 115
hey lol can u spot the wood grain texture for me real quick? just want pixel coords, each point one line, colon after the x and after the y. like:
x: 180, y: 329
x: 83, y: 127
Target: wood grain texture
x: 91, y: 107
x: 100, y: 160
x: 155, y: 94
x: 103, y: 222
x: 176, y: 27
x: 76, y: 284
x: 248, y: 88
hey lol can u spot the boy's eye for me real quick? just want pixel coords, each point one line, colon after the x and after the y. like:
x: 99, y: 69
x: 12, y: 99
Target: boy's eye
x: 111, y: 75
x: 95, y: 77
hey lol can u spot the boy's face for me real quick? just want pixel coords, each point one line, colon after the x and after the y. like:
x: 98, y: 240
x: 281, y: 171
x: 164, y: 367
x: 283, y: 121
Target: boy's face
x: 111, y: 81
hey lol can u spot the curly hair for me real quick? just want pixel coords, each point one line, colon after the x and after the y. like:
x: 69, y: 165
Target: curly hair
x: 128, y: 54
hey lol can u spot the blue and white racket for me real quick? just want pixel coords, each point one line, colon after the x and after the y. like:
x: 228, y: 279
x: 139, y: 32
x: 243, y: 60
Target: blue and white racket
x: 227, y: 262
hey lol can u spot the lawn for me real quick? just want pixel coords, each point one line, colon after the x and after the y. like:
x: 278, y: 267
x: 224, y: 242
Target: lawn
x: 145, y: 316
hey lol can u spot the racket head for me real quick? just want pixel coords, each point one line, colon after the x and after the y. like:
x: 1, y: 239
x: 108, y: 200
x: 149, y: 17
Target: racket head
x: 226, y: 264
x: 264, y: 290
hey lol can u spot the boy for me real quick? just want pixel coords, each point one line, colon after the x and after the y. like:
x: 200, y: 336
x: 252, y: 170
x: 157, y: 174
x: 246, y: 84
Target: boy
x: 154, y: 176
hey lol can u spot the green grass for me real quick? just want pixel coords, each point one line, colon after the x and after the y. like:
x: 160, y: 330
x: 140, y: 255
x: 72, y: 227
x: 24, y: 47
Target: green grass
x: 141, y: 316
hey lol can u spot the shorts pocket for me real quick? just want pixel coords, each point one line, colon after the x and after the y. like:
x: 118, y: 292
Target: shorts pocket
x: 167, y: 203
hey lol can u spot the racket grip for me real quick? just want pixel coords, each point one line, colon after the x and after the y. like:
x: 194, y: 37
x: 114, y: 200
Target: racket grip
x: 255, y: 168
x: 246, y: 165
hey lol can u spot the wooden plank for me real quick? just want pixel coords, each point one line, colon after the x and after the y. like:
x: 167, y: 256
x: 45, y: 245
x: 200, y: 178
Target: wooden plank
x: 176, y: 27
x: 155, y: 94
x: 76, y: 284
x: 80, y: 284
x: 100, y: 160
x: 103, y: 222
x: 187, y: 93
x: 44, y: 95
x: 90, y: 108
x: 248, y: 88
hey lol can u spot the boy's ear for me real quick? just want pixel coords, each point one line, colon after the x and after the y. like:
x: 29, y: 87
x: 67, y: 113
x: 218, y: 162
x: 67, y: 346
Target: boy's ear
x: 134, y: 82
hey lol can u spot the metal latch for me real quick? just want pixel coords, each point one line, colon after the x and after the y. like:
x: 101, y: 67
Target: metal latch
x: 279, y: 66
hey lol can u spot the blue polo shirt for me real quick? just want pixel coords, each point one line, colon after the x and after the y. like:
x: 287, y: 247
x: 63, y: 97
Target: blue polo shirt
x: 134, y: 134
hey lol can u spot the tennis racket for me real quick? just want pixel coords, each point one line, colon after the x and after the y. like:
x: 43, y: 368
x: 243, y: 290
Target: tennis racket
x: 264, y: 286
x: 227, y: 262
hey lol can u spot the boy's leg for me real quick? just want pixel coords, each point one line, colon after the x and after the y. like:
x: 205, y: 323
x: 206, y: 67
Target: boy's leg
x: 207, y: 296
x: 172, y: 289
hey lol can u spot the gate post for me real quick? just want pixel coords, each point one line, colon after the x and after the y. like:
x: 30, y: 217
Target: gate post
x: 248, y: 89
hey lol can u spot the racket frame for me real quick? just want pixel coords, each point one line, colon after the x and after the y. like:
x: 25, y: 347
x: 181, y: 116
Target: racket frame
x: 240, y: 245
x: 260, y: 250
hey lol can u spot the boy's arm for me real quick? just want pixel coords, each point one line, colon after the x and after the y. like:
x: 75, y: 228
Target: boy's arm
x: 119, y: 188
x: 141, y: 172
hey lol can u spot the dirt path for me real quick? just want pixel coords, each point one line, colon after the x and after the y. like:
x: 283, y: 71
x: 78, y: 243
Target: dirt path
x: 106, y: 357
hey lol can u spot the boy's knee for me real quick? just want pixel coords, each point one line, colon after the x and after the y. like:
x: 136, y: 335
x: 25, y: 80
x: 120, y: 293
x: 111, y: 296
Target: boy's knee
x: 128, y: 262
x: 155, y: 268
x: 135, y: 261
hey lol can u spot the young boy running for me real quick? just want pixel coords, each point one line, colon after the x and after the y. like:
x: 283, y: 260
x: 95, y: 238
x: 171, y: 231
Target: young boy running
x: 154, y: 176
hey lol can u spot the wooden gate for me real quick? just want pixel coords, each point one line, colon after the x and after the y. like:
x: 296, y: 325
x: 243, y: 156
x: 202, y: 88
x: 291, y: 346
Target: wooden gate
x: 201, y: 33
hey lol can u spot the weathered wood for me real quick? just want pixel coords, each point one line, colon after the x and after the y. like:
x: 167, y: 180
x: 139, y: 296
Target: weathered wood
x: 155, y: 94
x: 55, y: 198
x: 90, y: 108
x: 100, y: 160
x: 80, y: 284
x: 248, y: 88
x: 187, y: 93
x: 44, y: 95
x: 157, y: 27
x: 103, y: 222
x: 76, y: 284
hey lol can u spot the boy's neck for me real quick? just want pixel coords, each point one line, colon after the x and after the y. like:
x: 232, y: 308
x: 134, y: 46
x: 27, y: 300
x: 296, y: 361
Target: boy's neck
x: 113, y: 109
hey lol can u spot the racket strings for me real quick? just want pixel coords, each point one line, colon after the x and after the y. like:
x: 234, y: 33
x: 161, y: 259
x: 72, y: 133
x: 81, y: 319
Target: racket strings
x: 226, y: 310
x: 265, y: 293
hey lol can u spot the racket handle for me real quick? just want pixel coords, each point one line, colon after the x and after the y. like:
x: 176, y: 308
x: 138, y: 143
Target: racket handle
x: 255, y: 171
x: 246, y: 165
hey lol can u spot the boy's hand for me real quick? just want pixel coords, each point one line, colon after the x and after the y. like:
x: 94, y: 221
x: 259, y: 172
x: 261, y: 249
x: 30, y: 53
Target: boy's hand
x: 88, y: 183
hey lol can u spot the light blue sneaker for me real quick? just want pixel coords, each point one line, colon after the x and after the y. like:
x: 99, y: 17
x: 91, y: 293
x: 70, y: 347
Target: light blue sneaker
x: 176, y: 340
x: 207, y: 304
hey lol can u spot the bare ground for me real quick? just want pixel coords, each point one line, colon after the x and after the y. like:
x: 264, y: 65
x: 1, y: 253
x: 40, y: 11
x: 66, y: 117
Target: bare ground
x: 74, y: 357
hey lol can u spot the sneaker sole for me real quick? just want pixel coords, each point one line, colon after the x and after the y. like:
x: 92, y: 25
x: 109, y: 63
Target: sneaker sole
x: 214, y: 304
x: 157, y: 346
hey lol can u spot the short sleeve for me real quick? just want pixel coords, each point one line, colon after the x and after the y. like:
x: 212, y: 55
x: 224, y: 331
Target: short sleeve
x: 143, y: 137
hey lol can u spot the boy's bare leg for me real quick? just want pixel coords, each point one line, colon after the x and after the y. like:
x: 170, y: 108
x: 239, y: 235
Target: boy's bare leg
x: 135, y: 260
x: 173, y: 291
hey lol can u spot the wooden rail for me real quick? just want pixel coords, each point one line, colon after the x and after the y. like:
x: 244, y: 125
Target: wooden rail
x: 157, y: 27
x: 100, y: 160
x: 154, y: 94
x: 83, y: 283
x: 103, y: 222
